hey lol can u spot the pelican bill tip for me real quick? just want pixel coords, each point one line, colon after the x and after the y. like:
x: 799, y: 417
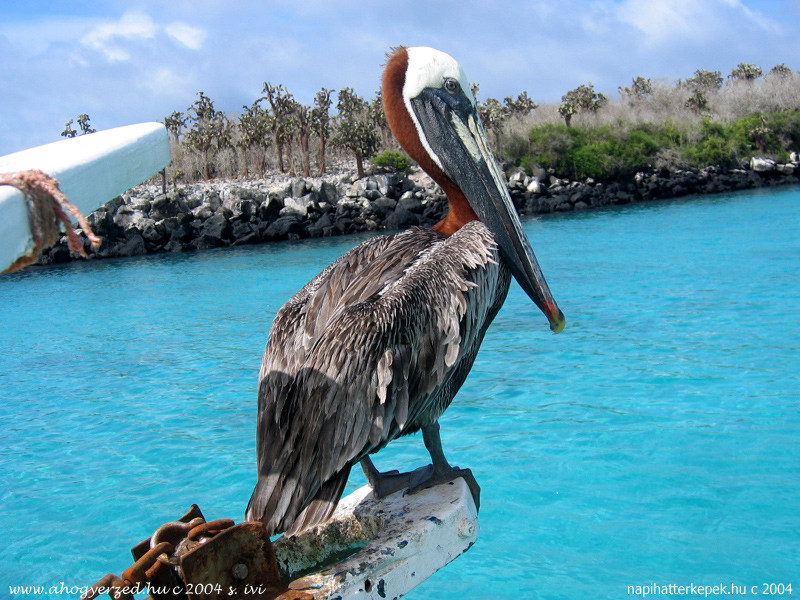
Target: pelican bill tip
x: 557, y: 324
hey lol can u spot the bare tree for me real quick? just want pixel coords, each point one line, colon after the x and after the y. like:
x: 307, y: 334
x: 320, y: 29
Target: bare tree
x: 746, y: 72
x: 780, y: 71
x: 641, y: 89
x: 521, y: 107
x: 697, y: 102
x: 175, y: 123
x: 321, y: 123
x: 302, y: 119
x: 493, y: 116
x: 254, y: 133
x: 283, y: 120
x: 83, y: 123
x: 355, y: 130
x: 379, y: 118
x: 69, y: 132
x: 582, y: 99
x: 210, y: 130
x: 704, y: 81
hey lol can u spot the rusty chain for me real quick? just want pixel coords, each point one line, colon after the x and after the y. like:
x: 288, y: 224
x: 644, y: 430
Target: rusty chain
x: 181, y: 536
x: 210, y: 529
x: 133, y: 578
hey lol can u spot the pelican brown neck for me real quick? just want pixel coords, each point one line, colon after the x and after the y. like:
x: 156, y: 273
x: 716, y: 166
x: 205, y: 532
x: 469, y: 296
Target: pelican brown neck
x: 405, y: 131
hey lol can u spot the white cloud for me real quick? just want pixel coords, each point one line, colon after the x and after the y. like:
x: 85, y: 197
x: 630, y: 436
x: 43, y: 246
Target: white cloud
x: 168, y: 83
x: 191, y: 37
x: 660, y: 20
x: 105, y: 37
x: 33, y: 38
x: 698, y: 21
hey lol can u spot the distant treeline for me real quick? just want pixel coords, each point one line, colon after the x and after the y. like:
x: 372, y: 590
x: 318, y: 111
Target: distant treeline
x: 701, y: 121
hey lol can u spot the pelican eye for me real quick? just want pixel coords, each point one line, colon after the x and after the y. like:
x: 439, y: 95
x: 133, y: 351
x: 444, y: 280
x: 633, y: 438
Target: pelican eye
x: 451, y: 86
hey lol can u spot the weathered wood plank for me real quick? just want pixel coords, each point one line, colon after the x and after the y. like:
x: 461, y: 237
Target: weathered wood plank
x: 398, y: 542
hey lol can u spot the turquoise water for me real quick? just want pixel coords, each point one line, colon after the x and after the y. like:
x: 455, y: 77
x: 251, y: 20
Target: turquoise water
x: 655, y: 441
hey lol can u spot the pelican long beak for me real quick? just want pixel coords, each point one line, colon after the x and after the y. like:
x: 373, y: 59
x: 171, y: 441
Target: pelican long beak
x: 456, y: 137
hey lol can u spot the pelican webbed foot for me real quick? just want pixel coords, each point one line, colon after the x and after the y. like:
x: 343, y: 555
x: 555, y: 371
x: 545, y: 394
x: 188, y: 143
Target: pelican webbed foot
x: 447, y: 476
x: 384, y: 484
x: 389, y: 482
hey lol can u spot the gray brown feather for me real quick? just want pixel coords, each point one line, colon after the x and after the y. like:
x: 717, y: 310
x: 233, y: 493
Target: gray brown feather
x: 373, y: 348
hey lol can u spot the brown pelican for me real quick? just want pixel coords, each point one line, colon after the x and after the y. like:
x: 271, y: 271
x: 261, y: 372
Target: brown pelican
x: 376, y: 346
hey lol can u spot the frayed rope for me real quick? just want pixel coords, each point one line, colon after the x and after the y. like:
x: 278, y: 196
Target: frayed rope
x: 46, y: 207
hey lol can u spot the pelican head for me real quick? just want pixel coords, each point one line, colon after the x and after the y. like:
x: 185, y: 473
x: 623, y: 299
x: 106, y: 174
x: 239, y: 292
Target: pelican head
x: 432, y: 112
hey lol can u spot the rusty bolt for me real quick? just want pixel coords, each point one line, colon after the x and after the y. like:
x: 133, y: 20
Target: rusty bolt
x: 239, y: 571
x: 466, y: 528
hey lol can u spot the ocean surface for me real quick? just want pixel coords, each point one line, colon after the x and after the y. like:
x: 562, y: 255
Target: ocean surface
x: 656, y: 441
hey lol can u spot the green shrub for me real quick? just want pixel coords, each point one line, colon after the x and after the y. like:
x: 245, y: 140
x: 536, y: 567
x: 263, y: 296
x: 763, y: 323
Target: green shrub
x: 549, y: 144
x: 589, y: 160
x: 600, y: 152
x: 612, y: 152
x: 717, y: 145
x: 516, y: 147
x: 638, y: 150
x: 787, y: 129
x: 392, y: 160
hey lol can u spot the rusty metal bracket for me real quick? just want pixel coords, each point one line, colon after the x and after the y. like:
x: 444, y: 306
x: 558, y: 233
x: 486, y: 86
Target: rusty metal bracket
x: 195, y: 559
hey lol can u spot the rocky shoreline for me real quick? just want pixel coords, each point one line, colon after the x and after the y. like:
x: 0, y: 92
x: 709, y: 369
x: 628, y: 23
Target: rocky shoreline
x: 215, y: 214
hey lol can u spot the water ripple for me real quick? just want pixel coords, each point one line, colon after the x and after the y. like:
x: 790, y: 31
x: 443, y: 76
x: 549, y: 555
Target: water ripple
x: 654, y: 440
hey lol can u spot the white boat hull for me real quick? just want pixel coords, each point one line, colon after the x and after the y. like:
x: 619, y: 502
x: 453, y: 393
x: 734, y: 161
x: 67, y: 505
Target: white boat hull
x: 91, y: 170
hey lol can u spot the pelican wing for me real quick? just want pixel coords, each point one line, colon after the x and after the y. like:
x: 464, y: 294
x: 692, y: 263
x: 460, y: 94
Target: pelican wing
x: 361, y: 355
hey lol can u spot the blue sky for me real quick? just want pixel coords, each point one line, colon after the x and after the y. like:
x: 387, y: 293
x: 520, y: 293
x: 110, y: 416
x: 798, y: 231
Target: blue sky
x: 125, y: 62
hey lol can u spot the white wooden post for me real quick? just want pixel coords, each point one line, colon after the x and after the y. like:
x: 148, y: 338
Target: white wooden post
x: 397, y: 543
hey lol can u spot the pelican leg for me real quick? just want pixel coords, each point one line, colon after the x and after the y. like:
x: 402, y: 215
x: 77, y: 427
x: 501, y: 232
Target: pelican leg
x: 442, y: 472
